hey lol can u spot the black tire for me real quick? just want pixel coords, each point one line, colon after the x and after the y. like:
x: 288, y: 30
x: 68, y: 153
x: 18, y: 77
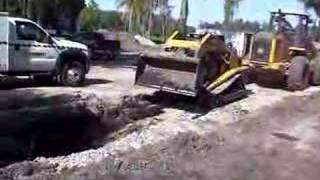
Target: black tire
x: 315, y: 67
x: 298, y: 74
x: 72, y: 74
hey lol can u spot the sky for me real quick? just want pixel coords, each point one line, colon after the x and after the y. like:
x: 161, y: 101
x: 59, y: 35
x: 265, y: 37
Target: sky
x: 212, y: 10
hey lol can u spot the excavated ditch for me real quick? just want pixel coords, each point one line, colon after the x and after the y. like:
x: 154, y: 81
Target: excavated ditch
x: 33, y: 125
x: 278, y: 140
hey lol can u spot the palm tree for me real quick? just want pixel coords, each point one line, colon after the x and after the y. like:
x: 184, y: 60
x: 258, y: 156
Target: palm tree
x: 184, y: 13
x: 165, y: 13
x: 229, y: 8
x: 134, y: 11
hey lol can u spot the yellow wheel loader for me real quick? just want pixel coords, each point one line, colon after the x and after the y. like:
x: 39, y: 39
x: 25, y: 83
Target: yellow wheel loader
x: 285, y: 55
x: 198, y: 65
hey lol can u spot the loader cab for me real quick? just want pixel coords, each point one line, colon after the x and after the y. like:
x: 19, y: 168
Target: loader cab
x: 288, y: 36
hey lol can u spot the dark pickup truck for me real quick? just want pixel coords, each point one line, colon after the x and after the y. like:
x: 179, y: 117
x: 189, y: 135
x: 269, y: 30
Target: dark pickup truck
x: 101, y: 45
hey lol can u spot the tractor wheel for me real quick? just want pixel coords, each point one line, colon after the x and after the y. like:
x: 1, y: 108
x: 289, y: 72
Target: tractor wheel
x: 315, y: 66
x: 299, y: 73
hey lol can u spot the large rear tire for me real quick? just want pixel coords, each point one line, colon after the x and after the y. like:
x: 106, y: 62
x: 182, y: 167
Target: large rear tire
x: 298, y: 74
x: 315, y: 66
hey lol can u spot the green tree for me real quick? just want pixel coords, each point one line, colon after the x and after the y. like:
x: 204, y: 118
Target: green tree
x: 71, y: 9
x: 184, y: 14
x: 229, y: 8
x: 134, y: 13
x: 314, y: 4
x: 89, y: 18
x: 48, y: 12
x: 111, y: 20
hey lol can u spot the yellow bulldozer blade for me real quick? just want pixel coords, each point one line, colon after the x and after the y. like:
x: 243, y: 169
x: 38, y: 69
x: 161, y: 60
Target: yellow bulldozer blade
x: 167, y: 72
x: 177, y: 74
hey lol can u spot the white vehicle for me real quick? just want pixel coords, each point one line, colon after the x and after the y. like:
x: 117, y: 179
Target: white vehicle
x: 26, y: 49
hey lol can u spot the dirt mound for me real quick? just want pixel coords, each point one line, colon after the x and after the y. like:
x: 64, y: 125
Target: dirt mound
x: 279, y: 142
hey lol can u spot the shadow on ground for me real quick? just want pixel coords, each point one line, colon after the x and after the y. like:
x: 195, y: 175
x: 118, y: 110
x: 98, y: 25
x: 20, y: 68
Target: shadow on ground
x: 10, y: 83
x: 34, y: 124
x: 184, y: 102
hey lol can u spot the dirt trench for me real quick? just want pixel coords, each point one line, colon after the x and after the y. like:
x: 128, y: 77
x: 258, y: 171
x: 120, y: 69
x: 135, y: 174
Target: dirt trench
x: 278, y: 142
x: 275, y: 141
x: 36, y: 125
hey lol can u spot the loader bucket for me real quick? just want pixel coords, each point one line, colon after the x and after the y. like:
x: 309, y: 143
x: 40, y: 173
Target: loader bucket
x: 177, y: 74
x: 165, y: 71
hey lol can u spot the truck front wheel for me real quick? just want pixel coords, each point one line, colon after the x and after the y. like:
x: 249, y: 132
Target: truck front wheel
x: 72, y: 74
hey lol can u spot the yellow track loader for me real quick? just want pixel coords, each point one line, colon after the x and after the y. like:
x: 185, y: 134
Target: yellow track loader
x: 198, y: 65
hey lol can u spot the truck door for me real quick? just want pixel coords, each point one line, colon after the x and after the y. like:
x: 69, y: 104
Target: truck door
x: 32, y: 49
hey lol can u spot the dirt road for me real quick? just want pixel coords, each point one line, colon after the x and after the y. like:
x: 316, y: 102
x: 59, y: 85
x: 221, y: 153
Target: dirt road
x: 272, y: 134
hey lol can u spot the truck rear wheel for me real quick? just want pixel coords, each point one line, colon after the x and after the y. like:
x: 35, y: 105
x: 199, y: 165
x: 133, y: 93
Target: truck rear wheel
x: 299, y: 74
x: 73, y: 74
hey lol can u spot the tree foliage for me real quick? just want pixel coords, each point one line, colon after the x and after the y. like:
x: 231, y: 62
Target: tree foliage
x: 140, y: 15
x: 229, y: 8
x: 235, y: 25
x: 314, y: 4
x: 111, y: 20
x: 45, y: 12
x: 89, y: 18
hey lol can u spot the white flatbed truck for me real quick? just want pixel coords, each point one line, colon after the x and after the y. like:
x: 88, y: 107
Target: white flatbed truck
x: 26, y: 49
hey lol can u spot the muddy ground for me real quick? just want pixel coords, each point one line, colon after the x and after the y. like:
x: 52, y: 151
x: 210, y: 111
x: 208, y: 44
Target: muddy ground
x: 129, y: 132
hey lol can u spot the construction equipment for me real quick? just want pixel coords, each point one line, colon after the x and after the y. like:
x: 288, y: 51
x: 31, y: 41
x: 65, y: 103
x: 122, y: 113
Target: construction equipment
x: 198, y: 65
x: 285, y: 54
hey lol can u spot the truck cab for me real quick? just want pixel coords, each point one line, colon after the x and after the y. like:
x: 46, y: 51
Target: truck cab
x: 28, y: 50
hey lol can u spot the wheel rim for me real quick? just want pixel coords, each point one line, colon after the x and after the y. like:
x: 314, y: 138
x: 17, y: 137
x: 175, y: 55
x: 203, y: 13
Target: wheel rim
x: 74, y: 74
